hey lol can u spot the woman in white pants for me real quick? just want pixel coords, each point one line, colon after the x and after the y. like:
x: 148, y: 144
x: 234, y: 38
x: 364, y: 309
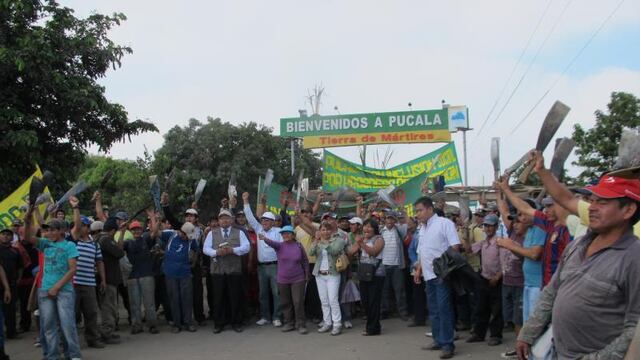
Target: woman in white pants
x: 326, y: 249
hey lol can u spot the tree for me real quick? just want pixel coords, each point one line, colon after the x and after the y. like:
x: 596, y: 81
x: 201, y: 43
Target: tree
x: 51, y: 105
x: 215, y: 150
x: 597, y: 148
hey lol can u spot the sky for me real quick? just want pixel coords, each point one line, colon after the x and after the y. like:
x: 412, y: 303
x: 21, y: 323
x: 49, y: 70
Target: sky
x: 256, y: 61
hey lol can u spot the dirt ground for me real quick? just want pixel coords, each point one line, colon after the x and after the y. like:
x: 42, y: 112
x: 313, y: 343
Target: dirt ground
x: 397, y: 341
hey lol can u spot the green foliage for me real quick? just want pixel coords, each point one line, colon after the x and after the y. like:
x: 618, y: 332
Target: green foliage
x: 597, y: 148
x: 214, y: 150
x: 51, y: 105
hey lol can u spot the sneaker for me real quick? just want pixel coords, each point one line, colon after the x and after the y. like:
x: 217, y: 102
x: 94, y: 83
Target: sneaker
x: 337, y: 330
x: 428, y: 334
x: 136, y: 330
x: 96, y: 345
x: 277, y: 323
x: 153, y: 330
x: 494, y: 341
x: 192, y: 328
x: 288, y: 327
x: 324, y: 328
x: 111, y: 341
x: 175, y: 329
x: 446, y: 354
x: 511, y: 354
x: 475, y: 339
x: 432, y: 347
x: 237, y: 328
x: 303, y: 331
x: 348, y: 325
x: 262, y: 322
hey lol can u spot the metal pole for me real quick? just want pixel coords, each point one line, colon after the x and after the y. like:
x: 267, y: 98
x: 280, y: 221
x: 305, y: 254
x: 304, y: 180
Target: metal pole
x: 293, y: 160
x: 464, y: 152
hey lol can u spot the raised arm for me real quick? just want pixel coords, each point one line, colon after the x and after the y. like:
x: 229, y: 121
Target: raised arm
x: 519, y: 204
x: 97, y: 196
x: 558, y: 191
x: 359, y: 206
x: 5, y: 285
x: 504, y: 209
x: 255, y: 224
x: 154, y: 229
x: 29, y: 230
x: 316, y: 205
x: 164, y: 201
x: 76, y: 232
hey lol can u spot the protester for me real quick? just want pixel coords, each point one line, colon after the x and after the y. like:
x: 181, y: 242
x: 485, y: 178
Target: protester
x: 25, y: 282
x: 418, y: 290
x: 436, y: 235
x: 293, y: 272
x: 141, y: 284
x: 12, y: 264
x: 594, y: 296
x: 370, y: 245
x: 267, y: 264
x: 191, y: 216
x: 394, y: 265
x: 347, y: 280
x: 111, y: 254
x: 6, y: 298
x: 305, y: 234
x: 225, y: 245
x: 56, y: 297
x: 326, y: 248
x: 85, y: 282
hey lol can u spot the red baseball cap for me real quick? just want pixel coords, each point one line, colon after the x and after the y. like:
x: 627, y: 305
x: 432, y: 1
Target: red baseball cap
x: 612, y: 187
x: 135, y: 224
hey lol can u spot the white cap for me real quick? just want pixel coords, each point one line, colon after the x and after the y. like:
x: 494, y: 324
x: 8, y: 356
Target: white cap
x: 355, y: 220
x: 225, y: 213
x: 188, y: 228
x: 96, y: 226
x: 192, y: 212
x: 268, y: 215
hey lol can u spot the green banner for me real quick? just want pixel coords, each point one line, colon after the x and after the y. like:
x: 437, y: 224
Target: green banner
x: 339, y: 172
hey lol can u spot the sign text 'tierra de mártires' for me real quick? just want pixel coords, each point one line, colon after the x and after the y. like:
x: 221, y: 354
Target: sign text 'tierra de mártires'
x: 376, y: 128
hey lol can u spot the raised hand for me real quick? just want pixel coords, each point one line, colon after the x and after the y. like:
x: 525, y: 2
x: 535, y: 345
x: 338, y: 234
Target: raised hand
x: 245, y: 197
x: 164, y: 198
x: 97, y: 196
x: 538, y: 160
x: 73, y: 201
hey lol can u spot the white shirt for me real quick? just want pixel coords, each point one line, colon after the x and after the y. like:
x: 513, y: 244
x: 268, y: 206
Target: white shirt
x: 265, y: 252
x: 435, y: 237
x: 240, y: 250
x: 390, y: 255
x: 324, y: 263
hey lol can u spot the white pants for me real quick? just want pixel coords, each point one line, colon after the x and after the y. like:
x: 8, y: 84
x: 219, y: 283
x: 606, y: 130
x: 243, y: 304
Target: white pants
x: 329, y: 291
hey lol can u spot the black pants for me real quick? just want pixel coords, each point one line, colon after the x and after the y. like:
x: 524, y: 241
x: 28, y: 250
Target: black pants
x: 198, y: 294
x: 25, y: 317
x: 312, y: 305
x: 419, y: 296
x: 488, y: 310
x: 209, y: 284
x: 9, y: 311
x: 162, y: 298
x: 371, y: 293
x: 124, y: 294
x: 227, y: 299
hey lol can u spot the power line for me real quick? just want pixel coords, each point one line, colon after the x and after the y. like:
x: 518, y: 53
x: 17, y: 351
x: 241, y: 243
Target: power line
x: 535, y: 57
x: 573, y: 60
x: 513, y: 70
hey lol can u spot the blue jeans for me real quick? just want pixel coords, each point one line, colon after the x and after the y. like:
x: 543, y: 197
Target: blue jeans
x: 530, y: 296
x: 59, y: 315
x: 267, y: 279
x: 441, y: 313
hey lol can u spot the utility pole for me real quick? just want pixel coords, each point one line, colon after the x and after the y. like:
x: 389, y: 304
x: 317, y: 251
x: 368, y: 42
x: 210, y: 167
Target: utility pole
x: 464, y: 145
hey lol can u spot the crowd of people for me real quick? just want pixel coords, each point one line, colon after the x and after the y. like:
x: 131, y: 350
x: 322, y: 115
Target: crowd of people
x: 570, y: 260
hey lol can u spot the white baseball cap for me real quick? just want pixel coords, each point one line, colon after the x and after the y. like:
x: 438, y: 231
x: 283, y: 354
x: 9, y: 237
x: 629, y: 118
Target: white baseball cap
x: 188, y: 228
x: 192, y: 212
x: 355, y: 220
x: 269, y: 216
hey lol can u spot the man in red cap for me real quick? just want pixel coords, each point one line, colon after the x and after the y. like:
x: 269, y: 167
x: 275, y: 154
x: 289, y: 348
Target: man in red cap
x: 594, y: 296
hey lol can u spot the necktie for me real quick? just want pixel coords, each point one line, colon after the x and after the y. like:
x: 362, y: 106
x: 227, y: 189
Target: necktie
x: 226, y: 234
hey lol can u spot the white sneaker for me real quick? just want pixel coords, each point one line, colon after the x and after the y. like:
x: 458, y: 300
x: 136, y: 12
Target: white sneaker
x: 324, y: 328
x: 348, y: 324
x: 336, y: 330
x: 277, y: 323
x: 428, y: 334
x: 262, y: 322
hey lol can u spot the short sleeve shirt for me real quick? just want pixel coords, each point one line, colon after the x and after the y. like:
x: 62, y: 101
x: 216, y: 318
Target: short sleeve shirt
x: 583, y: 213
x: 436, y: 236
x: 56, y: 261
x: 557, y: 239
x: 532, y: 269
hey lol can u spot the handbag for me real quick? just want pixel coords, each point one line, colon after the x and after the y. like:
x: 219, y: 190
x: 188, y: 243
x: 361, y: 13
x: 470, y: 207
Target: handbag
x: 366, y: 271
x: 342, y: 262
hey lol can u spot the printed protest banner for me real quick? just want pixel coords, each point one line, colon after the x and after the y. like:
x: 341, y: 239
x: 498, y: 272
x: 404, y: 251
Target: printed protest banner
x: 339, y: 172
x: 13, y: 206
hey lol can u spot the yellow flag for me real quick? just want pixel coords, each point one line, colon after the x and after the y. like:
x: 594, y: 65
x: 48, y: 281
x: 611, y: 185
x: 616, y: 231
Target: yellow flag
x: 13, y: 206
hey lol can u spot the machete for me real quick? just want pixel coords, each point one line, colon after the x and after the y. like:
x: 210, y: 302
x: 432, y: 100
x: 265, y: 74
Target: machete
x: 105, y: 179
x: 495, y: 157
x: 628, y: 163
x: 154, y: 189
x: 199, y: 189
x: 76, y: 189
x: 560, y: 155
x: 268, y: 179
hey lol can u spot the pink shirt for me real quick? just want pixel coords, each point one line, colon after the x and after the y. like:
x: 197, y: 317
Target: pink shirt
x: 490, y: 254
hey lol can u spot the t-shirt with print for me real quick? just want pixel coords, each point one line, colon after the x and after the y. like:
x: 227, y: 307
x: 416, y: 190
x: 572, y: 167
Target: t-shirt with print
x: 176, y: 263
x: 56, y: 261
x: 558, y: 237
x: 89, y: 254
x: 532, y: 269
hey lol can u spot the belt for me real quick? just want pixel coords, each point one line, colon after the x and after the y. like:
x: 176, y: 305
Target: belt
x: 269, y: 263
x: 323, y: 272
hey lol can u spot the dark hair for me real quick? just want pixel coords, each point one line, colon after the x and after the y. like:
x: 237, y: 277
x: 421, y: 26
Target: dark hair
x: 626, y: 201
x: 213, y: 217
x: 328, y: 225
x: 425, y: 201
x: 374, y: 224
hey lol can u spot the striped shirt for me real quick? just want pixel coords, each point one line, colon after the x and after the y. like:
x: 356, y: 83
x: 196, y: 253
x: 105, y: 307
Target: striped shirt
x: 90, y: 253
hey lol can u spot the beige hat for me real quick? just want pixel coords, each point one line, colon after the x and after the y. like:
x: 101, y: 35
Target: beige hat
x: 188, y: 228
x: 225, y: 213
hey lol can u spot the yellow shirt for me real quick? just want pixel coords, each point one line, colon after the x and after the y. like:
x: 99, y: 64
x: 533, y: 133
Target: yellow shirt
x: 476, y: 235
x: 583, y: 213
x: 305, y: 239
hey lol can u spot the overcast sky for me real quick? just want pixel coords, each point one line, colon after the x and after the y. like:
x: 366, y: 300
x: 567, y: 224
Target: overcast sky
x: 256, y: 60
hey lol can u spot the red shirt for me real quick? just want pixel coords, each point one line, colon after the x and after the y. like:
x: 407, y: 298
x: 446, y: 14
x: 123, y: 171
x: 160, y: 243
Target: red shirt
x: 558, y: 237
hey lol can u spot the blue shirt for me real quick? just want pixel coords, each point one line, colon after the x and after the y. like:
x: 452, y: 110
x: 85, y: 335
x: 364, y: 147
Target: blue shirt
x: 139, y: 255
x: 56, y: 261
x: 89, y: 254
x: 176, y: 263
x: 532, y: 269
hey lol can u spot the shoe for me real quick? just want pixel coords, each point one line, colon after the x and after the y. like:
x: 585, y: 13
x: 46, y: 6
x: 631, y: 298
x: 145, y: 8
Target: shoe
x: 475, y: 339
x: 153, y: 330
x: 192, y: 328
x: 303, y: 331
x: 463, y: 327
x: 416, y: 325
x: 320, y: 323
x: 277, y: 323
x: 217, y: 330
x: 432, y: 347
x: 37, y: 344
x: 428, y: 334
x: 175, y: 329
x: 348, y: 325
x: 511, y: 354
x: 404, y: 317
x: 288, y: 327
x: 202, y: 323
x: 337, y: 330
x: 96, y: 345
x: 262, y: 322
x: 494, y: 341
x: 136, y: 330
x: 446, y: 354
x: 324, y: 328
x: 238, y: 328
x: 111, y: 341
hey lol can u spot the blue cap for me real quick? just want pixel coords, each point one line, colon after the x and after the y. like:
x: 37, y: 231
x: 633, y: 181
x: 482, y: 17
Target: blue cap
x: 85, y: 220
x: 287, y: 228
x: 491, y: 220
